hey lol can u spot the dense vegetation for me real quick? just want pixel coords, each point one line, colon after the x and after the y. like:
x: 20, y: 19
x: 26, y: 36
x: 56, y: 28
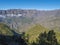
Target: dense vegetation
x: 47, y: 39
x: 34, y: 31
x: 37, y: 35
x: 9, y: 36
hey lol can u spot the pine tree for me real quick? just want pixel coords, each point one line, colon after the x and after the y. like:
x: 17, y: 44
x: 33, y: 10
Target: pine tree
x: 48, y: 38
x: 42, y: 38
x: 52, y: 38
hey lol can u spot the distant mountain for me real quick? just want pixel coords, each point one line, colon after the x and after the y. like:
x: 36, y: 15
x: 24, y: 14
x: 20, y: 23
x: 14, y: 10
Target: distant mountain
x: 20, y: 19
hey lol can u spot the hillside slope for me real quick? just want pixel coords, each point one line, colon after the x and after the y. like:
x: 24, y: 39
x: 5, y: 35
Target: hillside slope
x: 5, y: 30
x: 35, y: 31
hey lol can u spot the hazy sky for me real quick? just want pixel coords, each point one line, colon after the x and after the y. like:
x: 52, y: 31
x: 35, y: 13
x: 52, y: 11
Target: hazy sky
x: 30, y: 4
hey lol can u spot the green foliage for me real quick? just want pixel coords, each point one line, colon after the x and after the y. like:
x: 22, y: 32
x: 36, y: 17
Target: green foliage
x: 35, y: 35
x: 48, y: 38
x: 5, y: 30
x: 33, y: 43
x: 10, y: 37
x: 34, y: 32
x: 25, y: 37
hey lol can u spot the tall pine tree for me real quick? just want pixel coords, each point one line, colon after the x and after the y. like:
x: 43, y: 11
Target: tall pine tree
x: 48, y: 38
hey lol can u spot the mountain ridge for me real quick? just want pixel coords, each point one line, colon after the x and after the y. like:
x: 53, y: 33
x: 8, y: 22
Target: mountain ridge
x: 49, y: 19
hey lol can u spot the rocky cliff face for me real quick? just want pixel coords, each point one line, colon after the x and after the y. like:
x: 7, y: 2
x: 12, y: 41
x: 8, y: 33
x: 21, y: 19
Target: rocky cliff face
x: 22, y: 19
